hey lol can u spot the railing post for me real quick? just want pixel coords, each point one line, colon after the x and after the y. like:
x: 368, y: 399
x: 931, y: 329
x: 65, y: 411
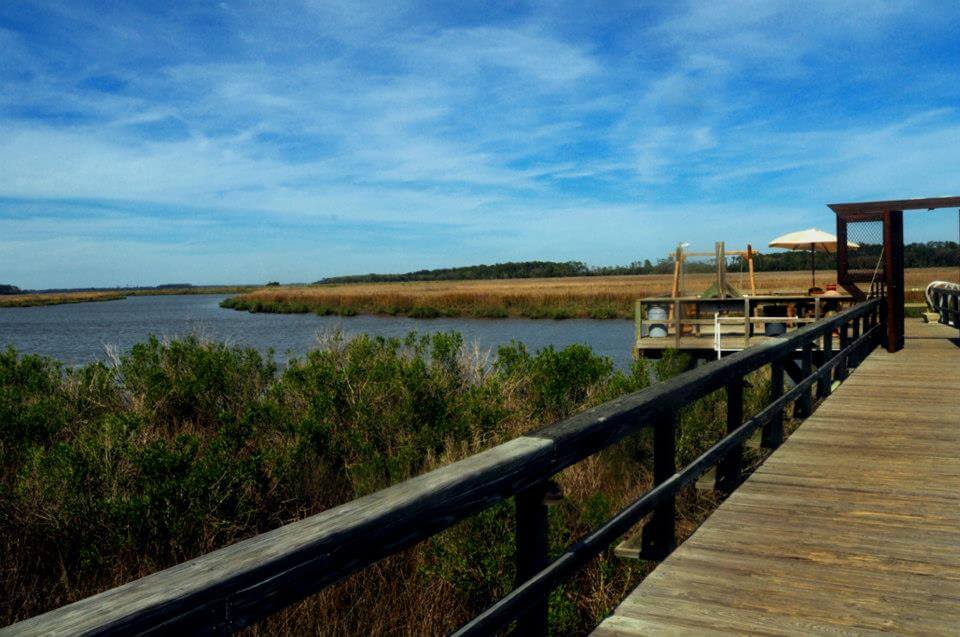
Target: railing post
x: 659, y: 533
x: 805, y: 402
x: 883, y: 320
x: 842, y: 368
x: 772, y: 435
x: 678, y: 326
x: 824, y: 382
x: 730, y: 467
x: 532, y: 553
x: 855, y: 355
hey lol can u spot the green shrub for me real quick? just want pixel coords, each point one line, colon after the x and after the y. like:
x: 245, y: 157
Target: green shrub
x: 423, y: 312
x: 188, y: 380
x: 185, y: 446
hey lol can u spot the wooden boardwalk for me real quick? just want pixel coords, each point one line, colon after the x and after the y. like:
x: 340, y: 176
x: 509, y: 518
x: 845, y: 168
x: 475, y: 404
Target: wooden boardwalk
x: 852, y: 527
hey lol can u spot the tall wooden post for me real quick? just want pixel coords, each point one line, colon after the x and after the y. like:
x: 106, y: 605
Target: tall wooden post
x: 677, y: 271
x: 893, y: 264
x: 721, y: 288
x: 843, y: 263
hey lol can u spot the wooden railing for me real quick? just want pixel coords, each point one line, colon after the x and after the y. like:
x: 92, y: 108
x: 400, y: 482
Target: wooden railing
x: 693, y: 321
x: 238, y: 585
x: 946, y: 302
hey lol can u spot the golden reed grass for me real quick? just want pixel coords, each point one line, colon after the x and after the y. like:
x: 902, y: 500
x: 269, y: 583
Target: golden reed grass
x: 573, y: 297
x: 57, y: 298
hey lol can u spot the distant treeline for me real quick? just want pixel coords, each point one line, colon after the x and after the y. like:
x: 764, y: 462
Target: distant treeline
x: 510, y: 270
x: 126, y: 288
x: 916, y: 255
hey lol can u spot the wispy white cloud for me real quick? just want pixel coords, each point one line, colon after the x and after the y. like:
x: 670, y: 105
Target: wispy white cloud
x: 398, y: 136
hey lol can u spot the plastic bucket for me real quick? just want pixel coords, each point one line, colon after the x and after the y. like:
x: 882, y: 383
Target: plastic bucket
x: 657, y: 313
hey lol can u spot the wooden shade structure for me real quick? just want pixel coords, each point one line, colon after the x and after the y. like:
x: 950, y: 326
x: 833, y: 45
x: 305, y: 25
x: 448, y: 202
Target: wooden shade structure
x: 890, y: 213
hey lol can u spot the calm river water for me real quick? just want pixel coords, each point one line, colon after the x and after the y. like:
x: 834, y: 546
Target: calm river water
x: 82, y: 332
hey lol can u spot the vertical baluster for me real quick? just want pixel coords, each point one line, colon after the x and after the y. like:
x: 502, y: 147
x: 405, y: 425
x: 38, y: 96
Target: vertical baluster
x: 878, y: 320
x: 805, y: 403
x: 730, y: 467
x: 773, y: 431
x: 823, y: 384
x: 855, y: 356
x: 678, y: 326
x: 532, y: 553
x: 842, y: 370
x: 659, y: 533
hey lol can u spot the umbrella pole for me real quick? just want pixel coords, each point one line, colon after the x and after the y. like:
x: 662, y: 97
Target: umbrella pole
x: 813, y: 263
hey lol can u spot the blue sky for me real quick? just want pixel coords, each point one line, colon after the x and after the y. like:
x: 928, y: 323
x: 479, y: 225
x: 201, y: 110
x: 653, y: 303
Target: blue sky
x: 146, y: 142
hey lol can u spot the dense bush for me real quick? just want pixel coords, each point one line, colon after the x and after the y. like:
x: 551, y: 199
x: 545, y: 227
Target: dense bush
x: 111, y: 472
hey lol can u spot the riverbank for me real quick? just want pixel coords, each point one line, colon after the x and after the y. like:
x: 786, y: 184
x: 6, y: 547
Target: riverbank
x: 593, y: 297
x: 57, y: 298
x: 60, y: 298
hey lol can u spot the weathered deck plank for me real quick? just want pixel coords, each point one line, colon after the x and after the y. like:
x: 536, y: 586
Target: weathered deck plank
x: 852, y: 527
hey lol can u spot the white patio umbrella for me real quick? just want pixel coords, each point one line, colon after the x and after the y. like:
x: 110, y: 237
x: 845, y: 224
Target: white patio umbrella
x: 813, y: 240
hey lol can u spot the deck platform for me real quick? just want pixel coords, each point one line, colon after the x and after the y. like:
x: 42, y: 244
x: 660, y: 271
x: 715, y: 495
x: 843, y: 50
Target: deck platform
x: 852, y: 527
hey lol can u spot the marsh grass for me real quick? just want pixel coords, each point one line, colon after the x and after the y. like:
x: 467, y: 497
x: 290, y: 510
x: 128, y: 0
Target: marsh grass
x: 111, y: 472
x: 31, y: 300
x: 595, y: 297
x: 61, y: 298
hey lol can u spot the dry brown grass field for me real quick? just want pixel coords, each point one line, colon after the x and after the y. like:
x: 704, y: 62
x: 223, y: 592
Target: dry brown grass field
x: 60, y: 298
x: 573, y: 297
x: 57, y: 298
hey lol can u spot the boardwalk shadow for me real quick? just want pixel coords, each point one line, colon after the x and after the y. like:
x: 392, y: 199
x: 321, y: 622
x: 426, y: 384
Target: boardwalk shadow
x: 953, y: 341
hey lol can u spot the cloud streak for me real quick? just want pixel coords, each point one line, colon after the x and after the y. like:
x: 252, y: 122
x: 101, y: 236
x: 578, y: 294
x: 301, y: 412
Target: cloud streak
x: 327, y: 137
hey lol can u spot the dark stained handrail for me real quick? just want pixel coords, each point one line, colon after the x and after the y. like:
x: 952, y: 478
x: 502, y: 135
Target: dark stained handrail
x: 240, y: 584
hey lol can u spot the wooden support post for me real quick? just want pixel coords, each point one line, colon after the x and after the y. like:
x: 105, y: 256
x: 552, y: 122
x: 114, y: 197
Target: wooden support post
x: 721, y: 288
x: 678, y: 327
x: 532, y: 544
x: 893, y: 265
x: 638, y: 320
x: 678, y: 272
x: 659, y: 533
x: 843, y: 367
x: 805, y: 402
x: 823, y: 384
x: 843, y: 276
x: 773, y: 431
x: 730, y: 467
x: 746, y: 322
x: 753, y: 279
